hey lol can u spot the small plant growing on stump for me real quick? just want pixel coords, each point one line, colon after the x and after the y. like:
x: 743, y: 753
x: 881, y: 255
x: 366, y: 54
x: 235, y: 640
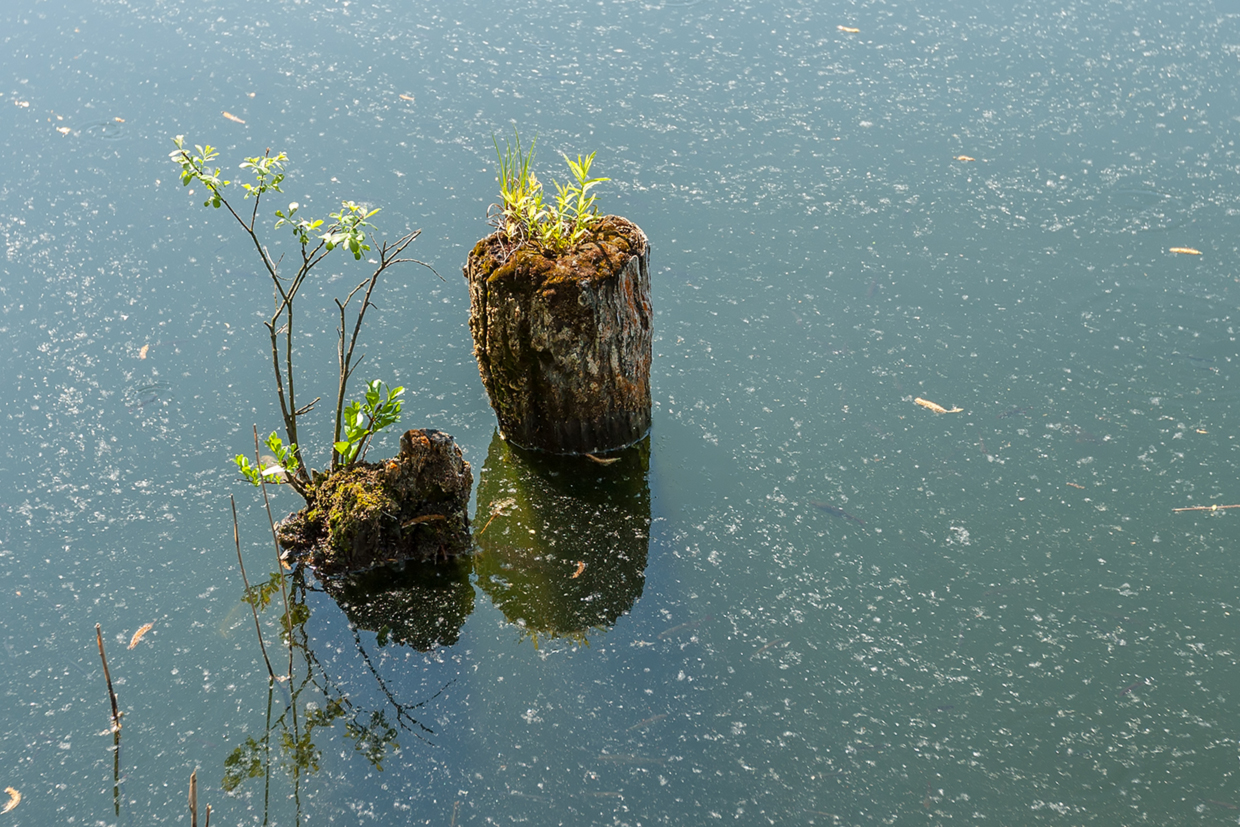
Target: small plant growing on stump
x: 356, y: 423
x: 559, y: 308
x: 522, y: 214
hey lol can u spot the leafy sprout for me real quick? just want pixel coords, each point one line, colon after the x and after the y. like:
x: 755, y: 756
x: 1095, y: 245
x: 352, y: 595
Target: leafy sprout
x: 523, y: 215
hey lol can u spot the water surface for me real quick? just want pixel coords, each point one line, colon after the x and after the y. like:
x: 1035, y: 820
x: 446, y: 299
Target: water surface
x: 1015, y: 627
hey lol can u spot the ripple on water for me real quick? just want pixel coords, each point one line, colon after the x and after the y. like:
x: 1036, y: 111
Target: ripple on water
x: 111, y: 130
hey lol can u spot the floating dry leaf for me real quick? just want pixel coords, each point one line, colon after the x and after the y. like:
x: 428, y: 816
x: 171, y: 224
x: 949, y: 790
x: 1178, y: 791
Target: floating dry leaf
x: 581, y: 566
x: 602, y: 461
x: 232, y: 117
x: 15, y: 798
x: 407, y: 98
x: 965, y: 158
x: 142, y: 353
x: 137, y: 636
x: 119, y: 120
x: 498, y: 508
x: 848, y: 29
x: 926, y: 403
x: 1188, y: 251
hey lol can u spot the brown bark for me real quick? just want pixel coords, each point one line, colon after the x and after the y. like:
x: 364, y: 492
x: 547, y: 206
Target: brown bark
x: 411, y: 507
x: 564, y: 344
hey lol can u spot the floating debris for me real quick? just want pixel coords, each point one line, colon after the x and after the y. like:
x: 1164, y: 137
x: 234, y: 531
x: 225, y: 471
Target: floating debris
x: 137, y: 636
x: 15, y: 798
x: 230, y: 116
x: 1186, y: 251
x: 1014, y: 411
x: 776, y: 642
x: 939, y: 409
x: 142, y: 353
x: 647, y: 722
x: 499, y: 508
x: 405, y: 97
x: 1226, y: 805
x: 63, y: 130
x: 621, y: 758
x: 848, y: 29
x: 581, y: 566
x: 965, y: 158
x: 601, y: 460
x: 692, y: 624
x: 836, y: 511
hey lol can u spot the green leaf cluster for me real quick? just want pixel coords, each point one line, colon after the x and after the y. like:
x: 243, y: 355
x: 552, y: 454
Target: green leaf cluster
x: 277, y: 468
x: 363, y: 419
x: 525, y: 215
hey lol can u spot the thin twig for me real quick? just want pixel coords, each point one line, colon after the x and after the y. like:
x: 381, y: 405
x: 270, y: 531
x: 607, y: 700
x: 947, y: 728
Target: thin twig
x: 248, y: 594
x: 1205, y: 508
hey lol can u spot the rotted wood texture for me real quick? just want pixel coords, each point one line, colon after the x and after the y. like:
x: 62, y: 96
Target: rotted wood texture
x: 564, y: 344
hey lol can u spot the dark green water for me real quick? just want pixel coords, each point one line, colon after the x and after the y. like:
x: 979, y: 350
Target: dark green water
x: 1014, y: 629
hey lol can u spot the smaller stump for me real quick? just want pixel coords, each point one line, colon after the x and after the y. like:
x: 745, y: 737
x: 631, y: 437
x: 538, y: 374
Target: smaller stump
x: 564, y: 344
x: 411, y: 507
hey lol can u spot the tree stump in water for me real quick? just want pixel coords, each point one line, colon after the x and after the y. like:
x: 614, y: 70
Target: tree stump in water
x: 564, y: 344
x: 411, y: 507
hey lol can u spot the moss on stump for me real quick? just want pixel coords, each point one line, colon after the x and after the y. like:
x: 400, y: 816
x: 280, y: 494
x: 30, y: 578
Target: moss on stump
x: 411, y: 507
x: 564, y: 343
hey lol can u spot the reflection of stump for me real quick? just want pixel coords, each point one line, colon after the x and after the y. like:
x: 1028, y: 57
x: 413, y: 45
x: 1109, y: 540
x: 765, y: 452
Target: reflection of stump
x: 562, y: 542
x: 564, y: 345
x: 416, y: 604
x: 412, y: 507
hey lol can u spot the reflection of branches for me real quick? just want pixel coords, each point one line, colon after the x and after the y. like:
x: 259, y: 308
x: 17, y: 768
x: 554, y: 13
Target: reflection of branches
x: 295, y: 727
x: 402, y: 711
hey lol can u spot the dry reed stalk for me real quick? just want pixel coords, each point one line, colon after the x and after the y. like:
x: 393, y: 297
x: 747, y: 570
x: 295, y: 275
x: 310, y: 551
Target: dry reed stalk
x: 193, y: 798
x: 116, y: 713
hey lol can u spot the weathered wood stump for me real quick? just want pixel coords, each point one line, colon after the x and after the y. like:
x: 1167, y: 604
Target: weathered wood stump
x: 564, y: 344
x: 411, y: 507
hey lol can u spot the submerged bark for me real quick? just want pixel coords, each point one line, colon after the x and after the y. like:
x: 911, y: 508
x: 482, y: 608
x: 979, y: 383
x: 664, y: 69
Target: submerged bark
x: 564, y: 344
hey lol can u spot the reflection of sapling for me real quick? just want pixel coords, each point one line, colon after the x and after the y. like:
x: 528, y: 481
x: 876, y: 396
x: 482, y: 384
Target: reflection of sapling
x: 316, y: 238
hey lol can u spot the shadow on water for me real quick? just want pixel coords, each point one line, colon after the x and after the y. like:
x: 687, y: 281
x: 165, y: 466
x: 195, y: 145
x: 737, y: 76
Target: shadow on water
x: 562, y: 541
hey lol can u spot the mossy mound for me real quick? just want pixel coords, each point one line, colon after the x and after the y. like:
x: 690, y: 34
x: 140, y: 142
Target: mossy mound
x: 411, y: 507
x: 607, y: 248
